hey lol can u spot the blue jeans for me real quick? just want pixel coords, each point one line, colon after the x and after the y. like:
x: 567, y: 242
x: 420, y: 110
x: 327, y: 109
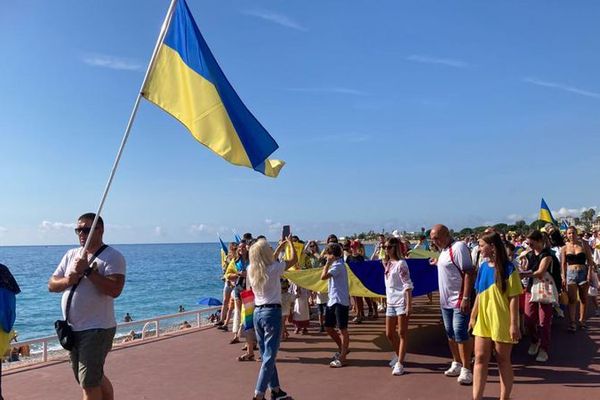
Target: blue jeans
x: 267, y: 326
x: 456, y: 324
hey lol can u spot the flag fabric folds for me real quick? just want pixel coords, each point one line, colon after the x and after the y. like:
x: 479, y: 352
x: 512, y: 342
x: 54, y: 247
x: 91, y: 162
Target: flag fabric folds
x: 187, y: 82
x: 366, y: 278
x: 545, y: 214
x: 247, y: 308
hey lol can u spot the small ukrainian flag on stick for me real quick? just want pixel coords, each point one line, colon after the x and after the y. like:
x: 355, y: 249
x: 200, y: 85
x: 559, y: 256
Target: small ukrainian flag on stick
x: 545, y: 214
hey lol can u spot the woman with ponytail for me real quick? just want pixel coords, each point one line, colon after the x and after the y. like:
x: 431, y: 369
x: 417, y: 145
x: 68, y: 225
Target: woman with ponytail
x: 495, y: 314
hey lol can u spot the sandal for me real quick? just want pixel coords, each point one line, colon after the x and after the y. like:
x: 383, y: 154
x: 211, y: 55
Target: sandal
x: 234, y: 340
x: 572, y: 328
x: 246, y: 357
x: 582, y: 325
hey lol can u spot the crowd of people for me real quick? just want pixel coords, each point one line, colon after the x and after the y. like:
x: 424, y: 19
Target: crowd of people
x: 493, y: 290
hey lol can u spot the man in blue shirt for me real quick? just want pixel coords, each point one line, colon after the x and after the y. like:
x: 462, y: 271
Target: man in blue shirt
x: 338, y: 306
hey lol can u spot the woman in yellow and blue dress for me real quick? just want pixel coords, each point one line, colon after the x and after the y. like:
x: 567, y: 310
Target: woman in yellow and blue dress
x: 495, y: 315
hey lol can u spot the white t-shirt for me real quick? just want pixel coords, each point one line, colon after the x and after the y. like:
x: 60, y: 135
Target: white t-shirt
x: 271, y: 291
x: 91, y: 309
x: 397, y: 281
x: 449, y: 277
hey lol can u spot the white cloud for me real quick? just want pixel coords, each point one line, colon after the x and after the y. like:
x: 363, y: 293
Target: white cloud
x: 273, y: 226
x: 198, y: 228
x: 3, y: 230
x: 112, y: 62
x: 47, y: 226
x: 448, y: 62
x: 279, y: 19
x: 564, y: 212
x: 563, y: 87
x: 158, y: 231
x: 514, y: 217
x: 330, y: 90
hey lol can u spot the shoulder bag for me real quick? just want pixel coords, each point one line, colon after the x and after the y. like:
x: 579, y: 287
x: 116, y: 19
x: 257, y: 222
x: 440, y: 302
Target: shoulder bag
x: 66, y: 338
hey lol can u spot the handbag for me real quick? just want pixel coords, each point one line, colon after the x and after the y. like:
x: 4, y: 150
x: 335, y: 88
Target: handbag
x: 66, y: 338
x: 544, y: 290
x: 563, y: 298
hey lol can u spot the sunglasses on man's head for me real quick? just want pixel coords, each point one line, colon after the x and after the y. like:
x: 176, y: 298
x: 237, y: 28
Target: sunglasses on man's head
x: 82, y: 230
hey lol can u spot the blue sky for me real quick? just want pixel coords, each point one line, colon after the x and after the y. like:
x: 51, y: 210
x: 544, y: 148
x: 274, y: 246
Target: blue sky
x: 389, y: 114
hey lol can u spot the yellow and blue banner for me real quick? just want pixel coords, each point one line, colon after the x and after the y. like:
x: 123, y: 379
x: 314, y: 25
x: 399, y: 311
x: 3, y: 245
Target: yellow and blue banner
x: 545, y: 214
x: 366, y: 278
x: 187, y: 82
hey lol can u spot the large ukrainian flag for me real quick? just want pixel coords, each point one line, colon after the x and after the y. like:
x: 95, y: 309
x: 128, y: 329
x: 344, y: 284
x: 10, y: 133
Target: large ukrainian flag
x: 545, y: 214
x: 187, y: 82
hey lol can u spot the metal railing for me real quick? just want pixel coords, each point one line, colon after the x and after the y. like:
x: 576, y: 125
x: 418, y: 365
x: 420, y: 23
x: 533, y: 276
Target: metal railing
x: 147, y: 332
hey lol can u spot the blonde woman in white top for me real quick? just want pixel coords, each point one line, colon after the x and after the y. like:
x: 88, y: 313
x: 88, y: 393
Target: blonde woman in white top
x: 398, y: 290
x: 264, y: 274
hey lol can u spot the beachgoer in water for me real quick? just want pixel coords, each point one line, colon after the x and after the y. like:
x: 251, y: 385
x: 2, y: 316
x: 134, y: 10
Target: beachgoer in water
x: 264, y: 275
x: 495, y: 315
x: 184, y: 325
x: 455, y: 280
x: 181, y: 308
x: 398, y: 289
x: 338, y: 306
x: 92, y: 314
x: 127, y: 318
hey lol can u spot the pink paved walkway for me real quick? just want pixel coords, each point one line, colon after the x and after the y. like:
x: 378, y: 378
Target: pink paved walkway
x: 202, y: 365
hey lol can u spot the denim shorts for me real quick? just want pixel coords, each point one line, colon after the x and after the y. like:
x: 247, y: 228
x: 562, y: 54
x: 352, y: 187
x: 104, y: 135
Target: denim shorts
x: 395, y: 311
x: 577, y: 276
x: 456, y: 324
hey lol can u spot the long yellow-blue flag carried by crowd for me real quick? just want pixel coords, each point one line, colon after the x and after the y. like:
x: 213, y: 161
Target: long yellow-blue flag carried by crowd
x: 545, y: 214
x: 187, y: 82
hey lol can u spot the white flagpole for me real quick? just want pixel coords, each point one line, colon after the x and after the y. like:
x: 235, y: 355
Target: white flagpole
x: 159, y: 41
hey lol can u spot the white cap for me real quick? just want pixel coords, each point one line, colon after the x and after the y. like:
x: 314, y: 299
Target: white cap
x: 396, y: 234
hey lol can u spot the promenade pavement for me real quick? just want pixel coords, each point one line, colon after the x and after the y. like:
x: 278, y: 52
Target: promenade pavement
x: 201, y: 364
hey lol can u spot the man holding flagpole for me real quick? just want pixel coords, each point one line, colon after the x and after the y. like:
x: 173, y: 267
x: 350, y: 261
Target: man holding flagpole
x: 90, y: 280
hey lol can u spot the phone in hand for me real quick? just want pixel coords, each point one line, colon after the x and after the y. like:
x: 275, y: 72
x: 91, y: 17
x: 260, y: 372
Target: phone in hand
x: 285, y: 232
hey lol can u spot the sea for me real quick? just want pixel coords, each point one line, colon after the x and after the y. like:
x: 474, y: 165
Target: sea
x: 160, y: 278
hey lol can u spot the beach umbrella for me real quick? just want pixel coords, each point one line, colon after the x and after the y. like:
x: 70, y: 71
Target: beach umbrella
x: 209, y: 301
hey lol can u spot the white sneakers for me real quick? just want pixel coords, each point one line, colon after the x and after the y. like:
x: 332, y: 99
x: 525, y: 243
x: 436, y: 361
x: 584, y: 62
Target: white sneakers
x: 394, y: 361
x: 454, y: 369
x: 533, y: 348
x: 465, y: 377
x: 542, y: 356
x: 398, y: 369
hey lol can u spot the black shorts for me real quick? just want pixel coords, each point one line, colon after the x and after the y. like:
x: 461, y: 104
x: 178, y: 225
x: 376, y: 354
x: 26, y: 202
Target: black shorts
x: 337, y: 315
x: 322, y: 308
